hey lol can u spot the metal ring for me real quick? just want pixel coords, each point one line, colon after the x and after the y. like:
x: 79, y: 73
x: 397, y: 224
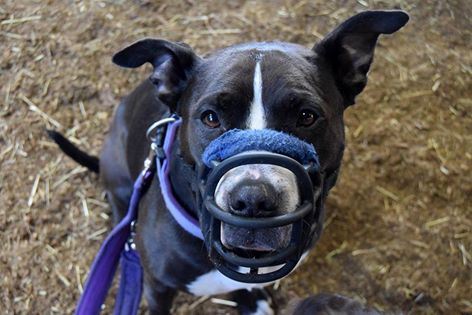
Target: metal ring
x: 156, y: 125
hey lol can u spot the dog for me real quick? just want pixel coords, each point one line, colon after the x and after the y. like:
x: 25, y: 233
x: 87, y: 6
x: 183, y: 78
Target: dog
x: 259, y: 85
x: 330, y: 304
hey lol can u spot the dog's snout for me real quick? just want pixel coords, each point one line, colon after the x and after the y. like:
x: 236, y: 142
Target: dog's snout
x: 259, y: 190
x: 253, y: 198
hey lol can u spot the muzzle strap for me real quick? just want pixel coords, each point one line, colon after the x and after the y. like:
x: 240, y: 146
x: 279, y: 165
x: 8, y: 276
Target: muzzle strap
x: 236, y: 141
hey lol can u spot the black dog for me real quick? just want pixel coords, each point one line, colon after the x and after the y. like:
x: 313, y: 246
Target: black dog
x: 275, y: 85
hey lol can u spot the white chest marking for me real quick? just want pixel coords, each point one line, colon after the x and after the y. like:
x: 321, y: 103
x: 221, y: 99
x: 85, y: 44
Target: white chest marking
x: 257, y: 119
x: 214, y: 282
x: 263, y: 308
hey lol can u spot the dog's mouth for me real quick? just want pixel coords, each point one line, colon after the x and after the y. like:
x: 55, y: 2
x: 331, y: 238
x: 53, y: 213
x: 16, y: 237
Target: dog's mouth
x: 249, y: 253
x: 254, y: 243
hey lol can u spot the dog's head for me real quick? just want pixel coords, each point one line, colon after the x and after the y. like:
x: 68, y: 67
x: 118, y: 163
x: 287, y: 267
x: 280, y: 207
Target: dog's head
x: 273, y: 85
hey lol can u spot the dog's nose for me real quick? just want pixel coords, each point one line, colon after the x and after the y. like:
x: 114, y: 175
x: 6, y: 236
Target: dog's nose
x: 254, y: 199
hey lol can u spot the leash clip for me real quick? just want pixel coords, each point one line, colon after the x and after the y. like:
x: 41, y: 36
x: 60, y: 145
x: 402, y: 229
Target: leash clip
x: 150, y: 161
x: 130, y: 244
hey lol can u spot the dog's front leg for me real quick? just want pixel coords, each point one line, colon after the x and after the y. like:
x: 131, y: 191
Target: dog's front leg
x: 159, y: 298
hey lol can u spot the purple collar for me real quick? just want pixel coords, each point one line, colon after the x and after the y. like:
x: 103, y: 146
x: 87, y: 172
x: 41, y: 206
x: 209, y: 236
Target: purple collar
x: 186, y: 220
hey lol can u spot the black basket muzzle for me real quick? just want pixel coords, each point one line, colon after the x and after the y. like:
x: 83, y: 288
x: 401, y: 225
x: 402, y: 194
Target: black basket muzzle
x: 304, y: 220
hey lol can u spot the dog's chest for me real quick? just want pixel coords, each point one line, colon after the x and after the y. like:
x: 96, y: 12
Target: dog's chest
x: 214, y: 282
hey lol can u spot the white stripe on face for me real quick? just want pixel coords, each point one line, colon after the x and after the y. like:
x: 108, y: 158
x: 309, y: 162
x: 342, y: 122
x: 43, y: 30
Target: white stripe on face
x: 257, y: 119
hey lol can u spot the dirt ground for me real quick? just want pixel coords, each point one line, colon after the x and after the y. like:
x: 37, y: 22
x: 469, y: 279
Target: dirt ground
x: 399, y: 223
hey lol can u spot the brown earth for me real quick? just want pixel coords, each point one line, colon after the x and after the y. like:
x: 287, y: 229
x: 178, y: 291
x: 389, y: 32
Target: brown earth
x: 399, y: 223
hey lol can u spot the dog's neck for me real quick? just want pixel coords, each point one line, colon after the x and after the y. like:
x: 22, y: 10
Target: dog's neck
x: 182, y: 178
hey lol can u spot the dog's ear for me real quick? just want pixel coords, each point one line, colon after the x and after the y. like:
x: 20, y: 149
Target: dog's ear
x: 349, y: 49
x: 173, y: 65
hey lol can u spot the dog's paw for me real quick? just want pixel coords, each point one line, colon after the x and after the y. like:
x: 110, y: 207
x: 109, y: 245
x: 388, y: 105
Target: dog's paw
x: 254, y: 302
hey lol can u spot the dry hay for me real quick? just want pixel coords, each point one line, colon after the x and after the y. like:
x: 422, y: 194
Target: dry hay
x: 398, y: 230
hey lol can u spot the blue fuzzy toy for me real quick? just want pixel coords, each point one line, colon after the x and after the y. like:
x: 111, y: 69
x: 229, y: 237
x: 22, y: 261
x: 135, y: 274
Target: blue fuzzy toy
x: 237, y: 141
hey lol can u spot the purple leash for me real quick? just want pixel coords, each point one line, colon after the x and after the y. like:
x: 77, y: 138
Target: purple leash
x: 105, y: 263
x: 120, y: 241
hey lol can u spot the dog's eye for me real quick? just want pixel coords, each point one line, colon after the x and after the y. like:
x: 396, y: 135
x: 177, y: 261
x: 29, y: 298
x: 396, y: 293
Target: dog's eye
x: 210, y: 119
x: 306, y: 118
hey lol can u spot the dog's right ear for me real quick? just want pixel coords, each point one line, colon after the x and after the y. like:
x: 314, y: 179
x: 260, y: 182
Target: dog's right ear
x: 349, y: 49
x: 173, y: 65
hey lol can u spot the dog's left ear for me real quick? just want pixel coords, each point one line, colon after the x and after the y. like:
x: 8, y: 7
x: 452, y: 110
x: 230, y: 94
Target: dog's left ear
x: 349, y: 49
x: 173, y: 63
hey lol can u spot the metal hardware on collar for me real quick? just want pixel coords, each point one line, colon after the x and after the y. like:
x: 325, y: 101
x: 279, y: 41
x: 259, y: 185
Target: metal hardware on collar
x: 154, y: 127
x: 159, y: 129
x: 150, y: 161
